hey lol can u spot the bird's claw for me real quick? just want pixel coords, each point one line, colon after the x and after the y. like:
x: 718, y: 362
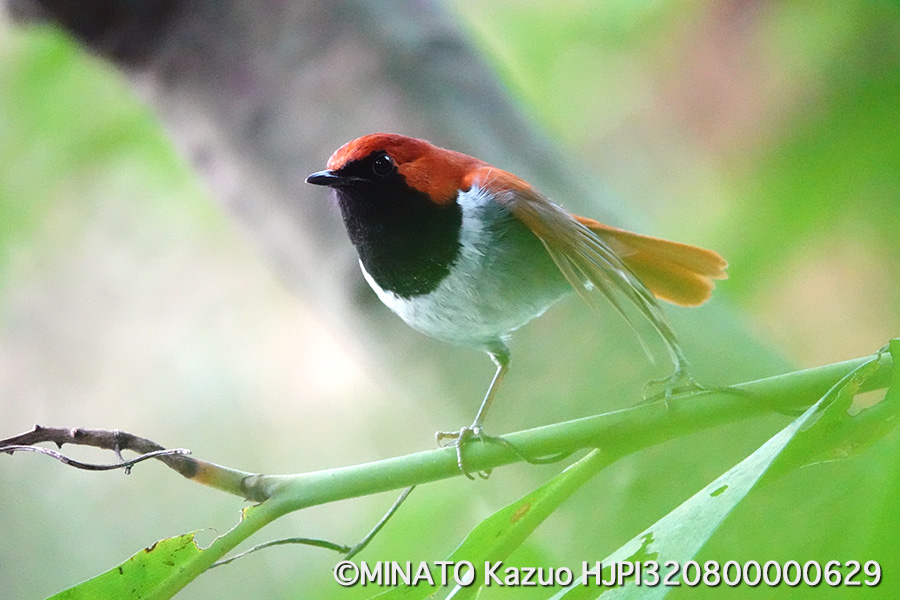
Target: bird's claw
x: 679, y: 383
x: 456, y: 439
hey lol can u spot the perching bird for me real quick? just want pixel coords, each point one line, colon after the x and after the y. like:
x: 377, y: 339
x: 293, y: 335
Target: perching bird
x: 468, y: 253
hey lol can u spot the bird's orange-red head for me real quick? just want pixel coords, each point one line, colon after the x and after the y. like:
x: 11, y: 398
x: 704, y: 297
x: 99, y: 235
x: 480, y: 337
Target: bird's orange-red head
x: 437, y: 172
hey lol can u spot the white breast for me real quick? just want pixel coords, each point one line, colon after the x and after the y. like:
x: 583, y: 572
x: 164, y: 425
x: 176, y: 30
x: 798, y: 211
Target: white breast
x: 501, y: 279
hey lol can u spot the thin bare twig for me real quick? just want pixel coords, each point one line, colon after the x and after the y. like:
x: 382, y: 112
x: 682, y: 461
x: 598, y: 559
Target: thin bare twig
x: 71, y: 462
x: 347, y: 551
x: 351, y: 552
x: 305, y: 541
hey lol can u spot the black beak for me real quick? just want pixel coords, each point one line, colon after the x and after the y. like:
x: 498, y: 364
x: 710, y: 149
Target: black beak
x: 327, y: 178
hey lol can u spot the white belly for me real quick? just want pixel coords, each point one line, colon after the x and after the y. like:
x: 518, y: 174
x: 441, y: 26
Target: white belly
x: 502, y: 278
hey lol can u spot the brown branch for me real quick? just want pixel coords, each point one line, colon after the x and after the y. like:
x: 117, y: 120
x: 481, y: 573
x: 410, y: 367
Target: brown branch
x: 229, y: 480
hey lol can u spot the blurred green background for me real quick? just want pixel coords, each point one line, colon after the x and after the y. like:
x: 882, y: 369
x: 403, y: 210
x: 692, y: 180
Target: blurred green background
x: 768, y: 132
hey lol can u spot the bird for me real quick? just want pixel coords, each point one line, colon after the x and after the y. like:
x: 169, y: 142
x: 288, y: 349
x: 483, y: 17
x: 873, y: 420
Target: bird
x: 467, y: 253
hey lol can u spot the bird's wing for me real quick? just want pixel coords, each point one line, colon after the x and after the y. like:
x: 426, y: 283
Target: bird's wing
x: 600, y: 261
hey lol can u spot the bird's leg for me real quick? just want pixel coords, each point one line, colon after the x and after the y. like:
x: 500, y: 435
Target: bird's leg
x: 500, y: 355
x: 680, y: 381
x: 501, y: 361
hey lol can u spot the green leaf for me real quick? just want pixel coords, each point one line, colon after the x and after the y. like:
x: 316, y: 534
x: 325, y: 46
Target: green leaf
x: 140, y: 577
x: 161, y: 570
x: 844, y: 429
x: 497, y: 536
x: 682, y: 533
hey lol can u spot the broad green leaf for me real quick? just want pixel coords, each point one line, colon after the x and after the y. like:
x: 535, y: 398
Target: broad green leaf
x: 844, y: 429
x: 682, y: 533
x: 160, y: 571
x: 140, y: 576
x: 497, y: 536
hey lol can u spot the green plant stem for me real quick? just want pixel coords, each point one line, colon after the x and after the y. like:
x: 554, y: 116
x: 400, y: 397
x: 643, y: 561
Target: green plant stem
x: 618, y: 433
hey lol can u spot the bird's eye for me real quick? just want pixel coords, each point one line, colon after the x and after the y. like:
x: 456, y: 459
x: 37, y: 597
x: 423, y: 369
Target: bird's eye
x: 383, y: 165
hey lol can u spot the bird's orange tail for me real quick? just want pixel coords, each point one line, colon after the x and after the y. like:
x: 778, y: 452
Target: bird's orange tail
x: 675, y: 272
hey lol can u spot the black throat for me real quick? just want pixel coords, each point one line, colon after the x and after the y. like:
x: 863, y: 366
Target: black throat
x: 406, y: 242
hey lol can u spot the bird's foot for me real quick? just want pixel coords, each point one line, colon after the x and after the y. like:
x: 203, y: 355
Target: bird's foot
x: 456, y: 439
x: 679, y: 383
